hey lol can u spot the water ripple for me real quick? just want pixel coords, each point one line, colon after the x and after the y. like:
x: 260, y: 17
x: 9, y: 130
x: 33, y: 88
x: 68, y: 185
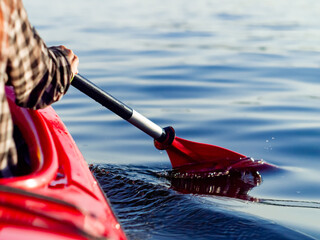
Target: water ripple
x: 148, y: 209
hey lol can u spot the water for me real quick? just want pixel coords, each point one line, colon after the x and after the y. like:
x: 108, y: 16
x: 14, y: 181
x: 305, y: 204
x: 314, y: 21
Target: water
x: 239, y: 74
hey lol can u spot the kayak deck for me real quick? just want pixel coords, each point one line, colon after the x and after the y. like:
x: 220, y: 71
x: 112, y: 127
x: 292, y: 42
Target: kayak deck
x: 60, y: 198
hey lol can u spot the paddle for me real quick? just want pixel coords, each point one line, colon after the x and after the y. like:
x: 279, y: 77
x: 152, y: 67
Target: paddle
x: 184, y: 155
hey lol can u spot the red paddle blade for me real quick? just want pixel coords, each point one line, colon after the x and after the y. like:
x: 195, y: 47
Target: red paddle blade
x: 199, y: 157
x: 183, y: 152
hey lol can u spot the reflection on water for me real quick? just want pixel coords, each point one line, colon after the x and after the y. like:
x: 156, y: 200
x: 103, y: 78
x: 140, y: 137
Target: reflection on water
x: 235, y: 184
x: 232, y: 184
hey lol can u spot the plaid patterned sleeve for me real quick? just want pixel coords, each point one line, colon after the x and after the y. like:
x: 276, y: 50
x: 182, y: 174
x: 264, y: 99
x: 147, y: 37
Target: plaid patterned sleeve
x: 39, y: 75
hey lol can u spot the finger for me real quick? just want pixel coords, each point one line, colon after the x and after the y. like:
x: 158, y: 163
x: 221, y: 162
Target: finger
x: 74, y: 64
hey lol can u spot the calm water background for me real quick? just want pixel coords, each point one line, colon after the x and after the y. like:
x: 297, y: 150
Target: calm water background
x: 239, y: 74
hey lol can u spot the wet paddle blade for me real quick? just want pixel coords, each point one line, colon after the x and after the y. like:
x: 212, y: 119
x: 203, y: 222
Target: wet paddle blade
x: 192, y: 156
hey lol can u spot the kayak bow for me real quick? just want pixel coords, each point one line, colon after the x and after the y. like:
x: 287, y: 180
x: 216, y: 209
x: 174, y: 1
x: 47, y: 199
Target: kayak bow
x: 59, y: 198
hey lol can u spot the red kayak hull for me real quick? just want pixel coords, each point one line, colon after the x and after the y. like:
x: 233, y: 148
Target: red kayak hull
x: 60, y: 199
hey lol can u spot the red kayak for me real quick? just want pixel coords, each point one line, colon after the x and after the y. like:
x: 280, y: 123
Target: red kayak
x: 59, y: 198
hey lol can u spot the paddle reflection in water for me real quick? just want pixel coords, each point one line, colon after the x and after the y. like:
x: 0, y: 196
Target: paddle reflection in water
x: 235, y: 184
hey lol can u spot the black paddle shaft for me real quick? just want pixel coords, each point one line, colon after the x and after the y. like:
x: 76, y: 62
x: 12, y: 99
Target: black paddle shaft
x: 162, y: 135
x: 102, y: 97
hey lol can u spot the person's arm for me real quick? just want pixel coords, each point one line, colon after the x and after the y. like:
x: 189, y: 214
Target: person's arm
x: 39, y: 75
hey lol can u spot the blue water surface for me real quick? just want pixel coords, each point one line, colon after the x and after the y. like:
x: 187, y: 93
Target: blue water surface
x: 241, y: 74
